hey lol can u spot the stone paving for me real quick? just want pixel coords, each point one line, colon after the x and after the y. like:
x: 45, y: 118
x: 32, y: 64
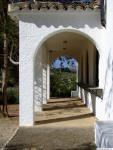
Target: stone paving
x: 65, y: 124
x: 8, y: 125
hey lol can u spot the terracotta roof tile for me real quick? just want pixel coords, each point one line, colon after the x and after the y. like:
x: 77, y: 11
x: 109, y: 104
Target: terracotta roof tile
x: 55, y: 4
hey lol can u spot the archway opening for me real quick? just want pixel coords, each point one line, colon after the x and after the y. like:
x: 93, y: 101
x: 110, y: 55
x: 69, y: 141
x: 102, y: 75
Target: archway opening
x: 73, y: 45
x: 63, y: 77
x: 64, y: 43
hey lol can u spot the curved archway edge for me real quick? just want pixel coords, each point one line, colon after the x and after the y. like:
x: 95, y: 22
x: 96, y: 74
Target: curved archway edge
x: 50, y: 35
x: 45, y: 37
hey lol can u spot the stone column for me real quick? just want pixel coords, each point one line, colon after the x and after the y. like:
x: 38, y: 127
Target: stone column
x: 79, y: 66
x: 81, y: 69
x: 26, y: 103
x: 44, y: 73
x: 44, y: 84
x: 92, y: 61
x: 94, y: 67
x: 85, y: 67
x: 48, y: 76
x: 48, y: 81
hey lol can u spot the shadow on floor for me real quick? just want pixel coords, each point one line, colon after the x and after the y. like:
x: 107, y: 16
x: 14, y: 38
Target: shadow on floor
x: 60, y: 100
x: 58, y: 107
x: 86, y: 146
x: 13, y: 116
x: 64, y: 119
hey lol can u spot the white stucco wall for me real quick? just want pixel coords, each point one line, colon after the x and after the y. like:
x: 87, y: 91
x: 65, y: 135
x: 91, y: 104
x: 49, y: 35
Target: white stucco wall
x: 106, y: 64
x: 88, y: 60
x: 84, y: 67
x: 36, y: 27
x: 48, y: 81
x: 40, y: 78
x: 91, y: 60
x: 108, y: 88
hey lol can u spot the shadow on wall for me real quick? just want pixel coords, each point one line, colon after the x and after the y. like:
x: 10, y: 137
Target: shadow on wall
x: 89, y: 100
x: 44, y: 88
x: 86, y: 98
x: 77, y: 19
x: 40, y: 85
x: 81, y: 93
x: 108, y: 87
x: 93, y: 98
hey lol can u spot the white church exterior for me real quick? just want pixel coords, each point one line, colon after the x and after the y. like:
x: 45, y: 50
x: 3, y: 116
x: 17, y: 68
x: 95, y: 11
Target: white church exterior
x: 83, y: 31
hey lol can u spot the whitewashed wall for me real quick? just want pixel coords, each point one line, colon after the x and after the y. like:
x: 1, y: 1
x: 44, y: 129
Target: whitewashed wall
x: 35, y: 28
x: 89, y: 50
x: 108, y: 87
x: 104, y: 107
x: 40, y: 78
x: 106, y: 63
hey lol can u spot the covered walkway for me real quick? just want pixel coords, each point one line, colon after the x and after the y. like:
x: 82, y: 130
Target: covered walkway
x: 65, y: 124
x: 45, y: 35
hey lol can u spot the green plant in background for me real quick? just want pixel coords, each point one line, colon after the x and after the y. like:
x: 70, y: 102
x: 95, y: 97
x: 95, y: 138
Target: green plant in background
x: 61, y: 83
x: 8, y: 43
x: 13, y: 95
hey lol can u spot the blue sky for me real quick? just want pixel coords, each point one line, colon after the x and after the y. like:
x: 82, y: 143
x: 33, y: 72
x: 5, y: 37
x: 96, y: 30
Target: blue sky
x: 65, y: 62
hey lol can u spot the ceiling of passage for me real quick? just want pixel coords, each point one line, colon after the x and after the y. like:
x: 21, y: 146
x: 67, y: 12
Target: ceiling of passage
x: 67, y: 42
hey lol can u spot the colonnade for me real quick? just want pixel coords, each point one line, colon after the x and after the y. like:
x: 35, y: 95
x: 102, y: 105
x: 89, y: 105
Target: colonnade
x: 88, y: 67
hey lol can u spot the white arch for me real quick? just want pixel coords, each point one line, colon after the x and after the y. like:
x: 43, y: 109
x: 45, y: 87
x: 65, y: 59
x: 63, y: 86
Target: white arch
x: 65, y: 30
x: 50, y: 35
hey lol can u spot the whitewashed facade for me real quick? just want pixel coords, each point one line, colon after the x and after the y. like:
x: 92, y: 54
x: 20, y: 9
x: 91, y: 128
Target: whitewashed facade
x: 40, y: 34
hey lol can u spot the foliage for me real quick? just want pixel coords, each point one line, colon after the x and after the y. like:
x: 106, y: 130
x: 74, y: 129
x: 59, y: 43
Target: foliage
x: 13, y: 95
x: 12, y: 31
x: 8, y: 42
x: 61, y: 83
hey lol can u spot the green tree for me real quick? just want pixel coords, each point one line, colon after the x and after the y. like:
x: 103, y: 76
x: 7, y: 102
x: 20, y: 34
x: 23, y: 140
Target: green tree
x: 8, y: 42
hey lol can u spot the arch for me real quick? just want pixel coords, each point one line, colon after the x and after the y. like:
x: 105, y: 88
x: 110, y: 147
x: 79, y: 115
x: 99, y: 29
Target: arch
x: 41, y: 43
x: 50, y: 35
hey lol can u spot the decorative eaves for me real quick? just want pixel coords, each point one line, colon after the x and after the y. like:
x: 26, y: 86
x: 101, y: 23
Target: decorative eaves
x: 57, y: 5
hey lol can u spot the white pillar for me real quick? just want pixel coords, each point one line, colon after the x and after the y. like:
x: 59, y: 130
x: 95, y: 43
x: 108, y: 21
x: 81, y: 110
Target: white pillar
x: 44, y: 90
x: 92, y: 64
x: 26, y: 104
x: 48, y: 81
x: 80, y: 77
x: 45, y: 59
x: 85, y: 67
x: 104, y: 128
x: 79, y: 71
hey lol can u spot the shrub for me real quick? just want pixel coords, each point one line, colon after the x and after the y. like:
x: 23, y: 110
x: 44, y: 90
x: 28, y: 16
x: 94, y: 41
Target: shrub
x: 13, y: 95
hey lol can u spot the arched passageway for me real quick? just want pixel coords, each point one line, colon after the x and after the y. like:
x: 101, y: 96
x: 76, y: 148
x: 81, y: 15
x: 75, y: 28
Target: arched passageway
x: 73, y: 44
x: 83, y: 49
